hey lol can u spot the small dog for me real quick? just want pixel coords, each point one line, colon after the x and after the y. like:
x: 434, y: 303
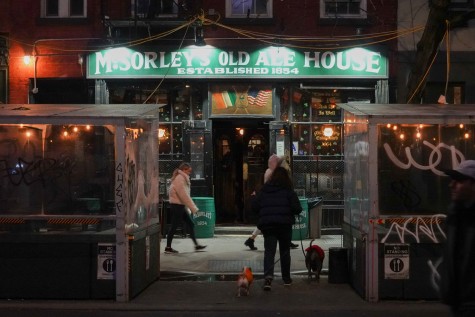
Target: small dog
x: 244, y: 281
x: 314, y: 257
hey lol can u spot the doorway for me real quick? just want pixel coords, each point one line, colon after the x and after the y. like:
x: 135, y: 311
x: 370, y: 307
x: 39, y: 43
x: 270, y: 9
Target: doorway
x: 241, y: 150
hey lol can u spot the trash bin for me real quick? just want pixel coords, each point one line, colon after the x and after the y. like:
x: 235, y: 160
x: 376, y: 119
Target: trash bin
x: 205, y: 218
x: 315, y: 206
x: 300, y: 228
x: 338, y: 265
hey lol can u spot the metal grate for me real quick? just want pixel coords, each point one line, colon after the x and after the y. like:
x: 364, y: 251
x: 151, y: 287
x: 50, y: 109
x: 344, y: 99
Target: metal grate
x: 317, y: 177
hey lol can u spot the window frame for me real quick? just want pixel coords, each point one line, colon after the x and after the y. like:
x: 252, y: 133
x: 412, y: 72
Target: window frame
x: 64, y: 10
x: 141, y: 14
x: 267, y: 15
x: 362, y: 14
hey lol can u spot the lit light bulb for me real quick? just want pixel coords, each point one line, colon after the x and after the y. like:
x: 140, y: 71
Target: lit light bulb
x: 328, y: 132
x: 401, y: 136
x: 418, y: 135
x: 467, y: 135
x: 461, y: 126
x: 388, y: 125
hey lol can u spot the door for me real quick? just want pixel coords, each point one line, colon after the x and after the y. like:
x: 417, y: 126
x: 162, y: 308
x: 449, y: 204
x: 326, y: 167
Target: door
x: 241, y: 149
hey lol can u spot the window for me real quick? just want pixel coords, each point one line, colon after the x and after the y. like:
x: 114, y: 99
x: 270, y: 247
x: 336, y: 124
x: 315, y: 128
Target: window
x: 63, y: 8
x: 249, y: 8
x: 150, y: 9
x: 332, y: 9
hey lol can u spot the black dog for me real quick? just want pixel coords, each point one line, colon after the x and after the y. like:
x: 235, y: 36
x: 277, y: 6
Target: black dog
x: 314, y: 257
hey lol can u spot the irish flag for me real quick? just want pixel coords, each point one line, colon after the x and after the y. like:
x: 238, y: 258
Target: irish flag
x: 224, y: 99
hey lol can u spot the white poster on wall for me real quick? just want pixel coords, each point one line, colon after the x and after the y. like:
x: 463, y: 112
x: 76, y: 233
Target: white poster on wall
x: 280, y: 148
x: 106, y: 261
x: 396, y: 261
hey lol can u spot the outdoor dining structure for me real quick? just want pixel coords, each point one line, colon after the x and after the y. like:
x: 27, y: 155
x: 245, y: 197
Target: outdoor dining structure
x: 78, y: 201
x: 396, y: 193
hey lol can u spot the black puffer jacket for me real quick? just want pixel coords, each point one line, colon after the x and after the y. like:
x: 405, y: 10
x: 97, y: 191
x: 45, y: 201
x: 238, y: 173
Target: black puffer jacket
x: 276, y: 206
x: 458, y: 266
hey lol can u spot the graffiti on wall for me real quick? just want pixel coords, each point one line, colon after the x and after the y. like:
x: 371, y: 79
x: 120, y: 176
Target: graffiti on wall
x: 119, y: 201
x: 434, y: 158
x: 415, y: 229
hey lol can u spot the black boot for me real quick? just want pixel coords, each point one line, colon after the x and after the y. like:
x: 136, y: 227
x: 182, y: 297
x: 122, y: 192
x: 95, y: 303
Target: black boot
x: 250, y: 243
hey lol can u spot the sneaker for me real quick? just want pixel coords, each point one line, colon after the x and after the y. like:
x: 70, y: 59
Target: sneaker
x: 199, y: 247
x: 288, y: 282
x: 293, y: 245
x: 170, y: 250
x: 267, y: 284
x: 250, y: 243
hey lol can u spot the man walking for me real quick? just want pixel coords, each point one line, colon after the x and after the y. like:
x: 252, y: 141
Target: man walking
x: 458, y: 267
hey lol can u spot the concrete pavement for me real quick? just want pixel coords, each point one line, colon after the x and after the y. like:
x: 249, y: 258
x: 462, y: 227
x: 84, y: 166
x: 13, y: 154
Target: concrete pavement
x: 227, y: 254
x: 205, y: 282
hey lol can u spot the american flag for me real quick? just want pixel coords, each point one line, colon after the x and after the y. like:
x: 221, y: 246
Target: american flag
x: 257, y: 97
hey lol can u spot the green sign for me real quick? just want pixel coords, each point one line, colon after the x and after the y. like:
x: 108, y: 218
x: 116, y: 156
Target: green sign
x: 209, y: 62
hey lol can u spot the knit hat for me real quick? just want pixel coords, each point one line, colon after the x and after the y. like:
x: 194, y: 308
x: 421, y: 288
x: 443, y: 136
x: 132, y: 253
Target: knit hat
x: 274, y: 161
x: 466, y: 170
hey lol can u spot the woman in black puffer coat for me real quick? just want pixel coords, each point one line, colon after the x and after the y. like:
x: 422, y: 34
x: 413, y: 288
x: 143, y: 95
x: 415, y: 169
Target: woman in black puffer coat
x: 277, y: 204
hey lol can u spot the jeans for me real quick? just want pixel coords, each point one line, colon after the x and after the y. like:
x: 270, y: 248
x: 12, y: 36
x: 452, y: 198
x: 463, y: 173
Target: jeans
x: 178, y: 214
x: 282, y: 235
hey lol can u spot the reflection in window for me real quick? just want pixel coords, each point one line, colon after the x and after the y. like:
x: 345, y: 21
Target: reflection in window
x: 164, y: 139
x: 63, y: 8
x: 256, y: 149
x: 343, y: 8
x: 248, y: 8
x: 70, y: 171
x: 317, y: 139
x: 411, y: 158
x: 149, y: 9
x: 197, y: 154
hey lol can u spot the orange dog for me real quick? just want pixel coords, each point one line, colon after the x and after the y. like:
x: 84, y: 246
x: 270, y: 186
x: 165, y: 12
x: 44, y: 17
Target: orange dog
x: 244, y: 281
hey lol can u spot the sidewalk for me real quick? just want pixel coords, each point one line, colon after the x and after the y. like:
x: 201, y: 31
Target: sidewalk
x: 206, y: 282
x: 227, y: 254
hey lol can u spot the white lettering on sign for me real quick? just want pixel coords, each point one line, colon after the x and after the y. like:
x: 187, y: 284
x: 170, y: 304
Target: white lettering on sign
x: 269, y: 62
x: 369, y: 61
x: 205, y: 214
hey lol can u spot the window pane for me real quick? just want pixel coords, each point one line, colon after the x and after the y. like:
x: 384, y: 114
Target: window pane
x: 241, y: 6
x: 354, y: 8
x: 301, y: 139
x: 168, y: 7
x: 301, y: 108
x: 181, y: 105
x: 342, y: 7
x: 261, y: 6
x: 52, y: 8
x: 177, y: 138
x: 76, y: 7
x: 164, y: 139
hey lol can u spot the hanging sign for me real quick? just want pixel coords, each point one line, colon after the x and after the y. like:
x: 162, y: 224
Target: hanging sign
x: 396, y: 261
x: 210, y: 62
